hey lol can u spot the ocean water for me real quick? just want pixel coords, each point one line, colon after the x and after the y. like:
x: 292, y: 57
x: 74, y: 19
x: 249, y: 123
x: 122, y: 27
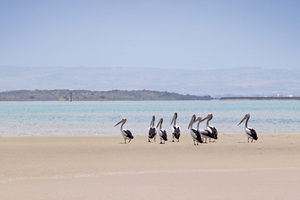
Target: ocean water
x: 99, y: 118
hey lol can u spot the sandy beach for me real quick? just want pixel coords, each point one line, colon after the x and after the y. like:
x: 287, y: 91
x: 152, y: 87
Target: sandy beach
x: 102, y: 167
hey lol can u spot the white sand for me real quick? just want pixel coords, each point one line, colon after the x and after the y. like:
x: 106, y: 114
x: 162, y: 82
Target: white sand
x: 105, y: 168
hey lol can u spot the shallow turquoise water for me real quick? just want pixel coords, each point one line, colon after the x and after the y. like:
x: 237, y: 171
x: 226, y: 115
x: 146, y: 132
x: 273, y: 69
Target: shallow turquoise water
x: 99, y: 118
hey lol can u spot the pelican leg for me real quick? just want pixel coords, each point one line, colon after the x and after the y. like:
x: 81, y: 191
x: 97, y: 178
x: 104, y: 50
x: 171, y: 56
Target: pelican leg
x: 155, y: 139
x: 149, y: 139
x: 129, y: 140
x: 248, y: 139
x: 173, y: 139
x: 125, y: 140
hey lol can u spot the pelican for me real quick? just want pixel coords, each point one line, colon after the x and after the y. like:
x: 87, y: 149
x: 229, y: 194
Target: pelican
x: 211, y: 129
x: 204, y: 133
x: 176, y: 129
x: 127, y: 135
x: 152, y: 130
x: 162, y: 132
x: 194, y: 133
x: 250, y: 132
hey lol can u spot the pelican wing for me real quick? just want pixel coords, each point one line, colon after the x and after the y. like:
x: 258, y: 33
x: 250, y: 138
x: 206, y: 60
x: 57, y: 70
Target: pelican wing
x: 214, y: 132
x: 176, y: 132
x: 252, y: 133
x: 196, y: 135
x: 163, y: 134
x: 152, y: 132
x: 207, y: 133
x: 128, y: 134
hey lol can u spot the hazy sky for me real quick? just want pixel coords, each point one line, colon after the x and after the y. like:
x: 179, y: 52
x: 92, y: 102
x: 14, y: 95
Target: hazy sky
x: 169, y: 34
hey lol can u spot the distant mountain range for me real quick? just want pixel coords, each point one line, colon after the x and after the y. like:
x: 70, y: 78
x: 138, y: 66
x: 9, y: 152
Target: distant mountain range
x: 86, y: 95
x: 249, y: 81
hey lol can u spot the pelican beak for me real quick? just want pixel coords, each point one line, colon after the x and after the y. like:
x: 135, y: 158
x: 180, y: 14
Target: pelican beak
x: 189, y: 124
x: 192, y: 121
x: 173, y: 119
x: 119, y: 122
x: 152, y: 121
x: 204, y: 118
x: 160, y: 121
x: 243, y: 120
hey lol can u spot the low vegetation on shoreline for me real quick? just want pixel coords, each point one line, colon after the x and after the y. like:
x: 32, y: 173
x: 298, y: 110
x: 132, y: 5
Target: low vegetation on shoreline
x: 87, y: 95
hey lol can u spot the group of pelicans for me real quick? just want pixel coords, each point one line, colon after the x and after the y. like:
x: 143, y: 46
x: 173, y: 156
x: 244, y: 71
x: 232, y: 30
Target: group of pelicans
x: 198, y: 135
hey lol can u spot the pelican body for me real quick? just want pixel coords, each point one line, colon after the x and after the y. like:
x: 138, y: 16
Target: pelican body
x: 250, y: 132
x: 204, y: 133
x: 194, y: 133
x: 211, y: 130
x: 152, y: 130
x: 176, y: 129
x: 162, y: 133
x: 127, y: 135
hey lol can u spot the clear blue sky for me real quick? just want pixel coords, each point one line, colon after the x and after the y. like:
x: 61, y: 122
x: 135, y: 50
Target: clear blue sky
x: 198, y: 34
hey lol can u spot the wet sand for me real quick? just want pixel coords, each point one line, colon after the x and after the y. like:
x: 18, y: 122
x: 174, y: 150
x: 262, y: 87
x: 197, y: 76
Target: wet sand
x: 104, y: 167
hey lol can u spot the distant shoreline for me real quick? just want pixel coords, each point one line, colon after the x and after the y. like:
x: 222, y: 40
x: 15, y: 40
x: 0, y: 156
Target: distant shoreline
x: 260, y: 98
x: 114, y: 95
x: 87, y: 95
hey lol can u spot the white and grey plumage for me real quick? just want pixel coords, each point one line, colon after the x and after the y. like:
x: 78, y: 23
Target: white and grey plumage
x: 213, y: 133
x: 176, y: 129
x: 152, y: 130
x: 204, y: 133
x: 162, y: 133
x: 127, y: 135
x: 194, y: 133
x: 250, y: 132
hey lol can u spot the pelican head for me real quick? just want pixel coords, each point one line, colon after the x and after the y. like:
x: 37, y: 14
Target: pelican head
x: 208, y: 117
x: 247, y: 116
x: 122, y: 121
x: 174, y: 117
x: 160, y: 122
x: 192, y: 121
x: 152, y: 121
x: 198, y: 119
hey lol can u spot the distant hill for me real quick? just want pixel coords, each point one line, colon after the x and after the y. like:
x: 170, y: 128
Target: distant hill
x: 86, y: 95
